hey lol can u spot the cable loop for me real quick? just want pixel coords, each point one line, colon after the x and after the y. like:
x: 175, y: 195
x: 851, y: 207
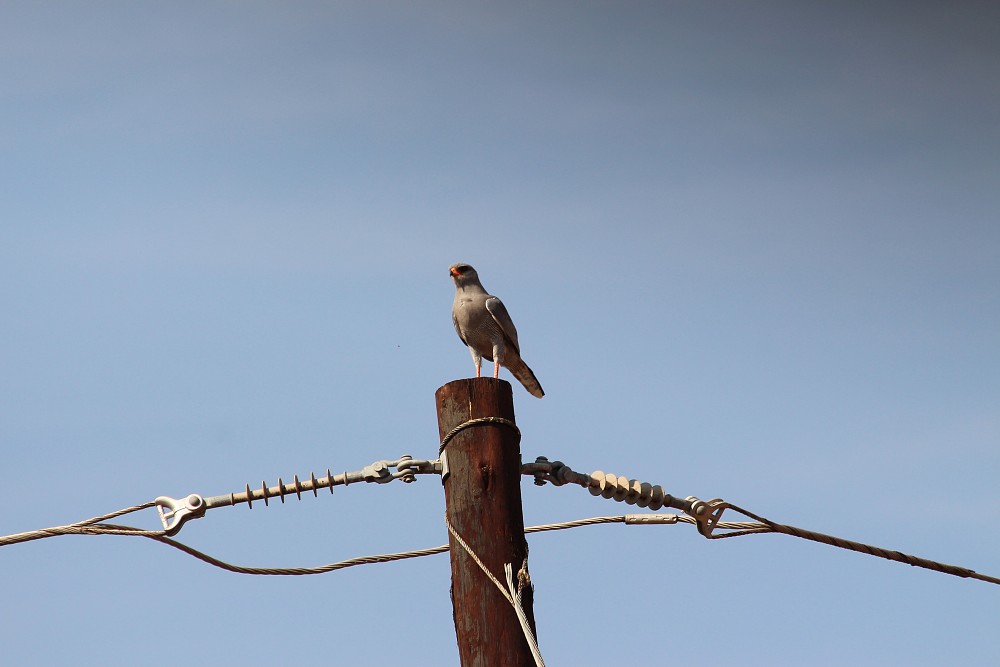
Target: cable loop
x: 479, y: 421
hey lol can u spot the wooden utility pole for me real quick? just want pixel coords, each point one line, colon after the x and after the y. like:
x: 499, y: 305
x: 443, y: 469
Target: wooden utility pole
x: 483, y: 503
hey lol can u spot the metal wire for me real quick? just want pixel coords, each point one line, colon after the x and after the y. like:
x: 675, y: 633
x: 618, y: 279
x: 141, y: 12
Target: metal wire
x: 95, y: 526
x: 513, y: 596
x: 298, y: 571
x: 860, y: 547
x: 85, y: 527
x: 88, y: 528
x: 740, y: 528
x: 706, y: 516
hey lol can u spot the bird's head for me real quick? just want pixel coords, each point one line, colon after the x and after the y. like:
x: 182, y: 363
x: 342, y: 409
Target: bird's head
x: 463, y: 274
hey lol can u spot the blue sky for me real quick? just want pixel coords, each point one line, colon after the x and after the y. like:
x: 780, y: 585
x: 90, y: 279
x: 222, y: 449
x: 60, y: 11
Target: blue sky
x: 752, y: 250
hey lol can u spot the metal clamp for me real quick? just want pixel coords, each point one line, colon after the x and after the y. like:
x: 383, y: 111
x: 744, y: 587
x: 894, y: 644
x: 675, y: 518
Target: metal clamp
x: 173, y: 513
x: 707, y: 514
x: 406, y: 467
x: 555, y: 472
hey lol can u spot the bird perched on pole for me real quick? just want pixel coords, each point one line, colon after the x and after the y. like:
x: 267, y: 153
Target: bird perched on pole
x: 482, y: 322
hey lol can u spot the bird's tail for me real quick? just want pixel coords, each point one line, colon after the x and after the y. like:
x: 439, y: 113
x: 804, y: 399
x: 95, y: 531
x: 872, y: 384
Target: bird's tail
x: 520, y: 370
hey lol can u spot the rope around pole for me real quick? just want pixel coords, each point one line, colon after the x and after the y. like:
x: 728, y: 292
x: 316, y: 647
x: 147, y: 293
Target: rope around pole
x: 479, y: 421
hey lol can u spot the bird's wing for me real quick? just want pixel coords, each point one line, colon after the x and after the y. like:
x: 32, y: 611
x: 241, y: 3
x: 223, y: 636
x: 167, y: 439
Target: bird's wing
x: 458, y: 329
x: 502, y: 317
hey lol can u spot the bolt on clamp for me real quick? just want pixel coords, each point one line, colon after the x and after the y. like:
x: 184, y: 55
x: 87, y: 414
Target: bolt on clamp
x: 406, y: 468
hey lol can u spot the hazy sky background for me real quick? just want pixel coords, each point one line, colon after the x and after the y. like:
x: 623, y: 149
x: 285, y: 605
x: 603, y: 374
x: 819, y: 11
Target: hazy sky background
x: 752, y: 250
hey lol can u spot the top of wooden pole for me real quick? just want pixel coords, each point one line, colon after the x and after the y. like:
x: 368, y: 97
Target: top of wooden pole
x: 471, y: 398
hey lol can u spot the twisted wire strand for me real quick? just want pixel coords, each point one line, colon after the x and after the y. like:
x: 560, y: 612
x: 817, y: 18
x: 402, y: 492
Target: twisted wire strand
x: 860, y: 547
x: 386, y: 558
x: 77, y: 528
x: 517, y: 592
x: 513, y: 596
x: 593, y: 521
x: 474, y: 557
x: 298, y: 571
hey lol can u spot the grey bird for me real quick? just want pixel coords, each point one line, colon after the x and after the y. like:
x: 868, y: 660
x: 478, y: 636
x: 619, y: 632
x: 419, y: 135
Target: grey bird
x: 482, y: 322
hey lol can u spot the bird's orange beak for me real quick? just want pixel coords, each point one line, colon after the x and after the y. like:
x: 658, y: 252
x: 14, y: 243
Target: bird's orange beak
x: 453, y: 271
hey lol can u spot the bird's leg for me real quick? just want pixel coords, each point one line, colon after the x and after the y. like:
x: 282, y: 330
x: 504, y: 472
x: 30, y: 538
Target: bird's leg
x: 498, y: 354
x: 477, y: 359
